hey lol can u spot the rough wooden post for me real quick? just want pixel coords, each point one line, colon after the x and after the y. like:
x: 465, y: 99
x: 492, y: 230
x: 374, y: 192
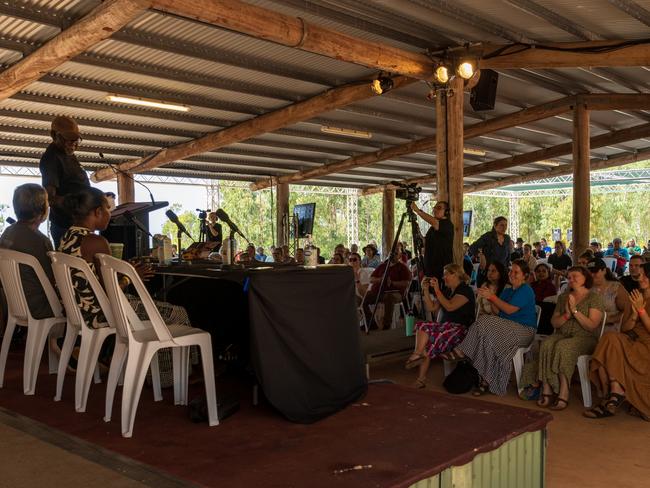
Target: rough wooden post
x: 581, y: 183
x: 387, y: 222
x: 442, y: 169
x: 282, y: 213
x: 455, y: 160
x: 125, y: 188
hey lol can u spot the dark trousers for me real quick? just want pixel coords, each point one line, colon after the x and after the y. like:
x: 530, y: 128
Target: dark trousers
x: 57, y: 232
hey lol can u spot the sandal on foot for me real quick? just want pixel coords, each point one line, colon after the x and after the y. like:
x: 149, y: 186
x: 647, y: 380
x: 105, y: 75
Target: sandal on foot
x: 613, y: 402
x: 560, y: 404
x: 414, y: 361
x: 598, y: 412
x: 546, y: 400
x: 420, y: 383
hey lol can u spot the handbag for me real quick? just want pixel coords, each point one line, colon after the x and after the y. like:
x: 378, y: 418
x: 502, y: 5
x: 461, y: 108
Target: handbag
x: 462, y: 379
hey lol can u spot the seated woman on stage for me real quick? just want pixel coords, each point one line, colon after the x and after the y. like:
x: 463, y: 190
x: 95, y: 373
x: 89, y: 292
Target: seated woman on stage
x: 89, y: 212
x: 456, y: 301
x: 497, y: 279
x: 620, y: 365
x: 615, y: 299
x: 493, y: 340
x: 577, y: 318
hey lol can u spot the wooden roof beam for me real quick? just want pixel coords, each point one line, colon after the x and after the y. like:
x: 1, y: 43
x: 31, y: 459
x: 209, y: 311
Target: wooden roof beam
x: 614, y: 137
x: 565, y: 169
x: 498, y: 123
x: 297, y: 33
x: 98, y: 25
x: 291, y: 114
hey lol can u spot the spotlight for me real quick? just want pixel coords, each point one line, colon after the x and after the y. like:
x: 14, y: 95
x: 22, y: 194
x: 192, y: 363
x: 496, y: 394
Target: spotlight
x: 441, y: 74
x: 382, y: 85
x: 465, y: 70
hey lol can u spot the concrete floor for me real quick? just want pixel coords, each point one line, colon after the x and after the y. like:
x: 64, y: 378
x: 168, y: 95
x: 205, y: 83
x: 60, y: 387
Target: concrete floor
x: 581, y: 452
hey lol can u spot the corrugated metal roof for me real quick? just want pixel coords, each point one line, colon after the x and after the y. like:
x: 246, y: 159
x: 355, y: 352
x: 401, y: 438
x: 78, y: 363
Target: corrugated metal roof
x: 226, y: 77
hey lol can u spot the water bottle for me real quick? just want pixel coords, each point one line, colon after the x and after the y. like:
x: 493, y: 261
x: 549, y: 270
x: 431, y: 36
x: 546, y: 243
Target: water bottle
x: 229, y: 251
x: 167, y: 253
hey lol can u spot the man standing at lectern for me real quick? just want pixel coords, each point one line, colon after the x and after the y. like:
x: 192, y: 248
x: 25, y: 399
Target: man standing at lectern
x: 61, y: 172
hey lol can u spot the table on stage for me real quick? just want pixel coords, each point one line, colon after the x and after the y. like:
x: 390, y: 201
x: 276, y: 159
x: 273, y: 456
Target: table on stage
x: 301, y: 324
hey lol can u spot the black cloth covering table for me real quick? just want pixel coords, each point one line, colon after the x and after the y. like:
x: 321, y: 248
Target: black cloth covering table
x: 304, y: 334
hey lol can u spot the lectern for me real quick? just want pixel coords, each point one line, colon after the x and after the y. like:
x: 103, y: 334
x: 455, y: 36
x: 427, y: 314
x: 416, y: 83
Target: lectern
x: 124, y: 227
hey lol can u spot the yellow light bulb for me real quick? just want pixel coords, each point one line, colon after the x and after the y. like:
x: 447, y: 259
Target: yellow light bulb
x: 465, y: 70
x: 442, y: 74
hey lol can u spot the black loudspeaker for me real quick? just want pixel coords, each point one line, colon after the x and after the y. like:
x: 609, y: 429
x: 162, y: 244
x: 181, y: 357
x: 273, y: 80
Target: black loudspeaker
x: 484, y: 94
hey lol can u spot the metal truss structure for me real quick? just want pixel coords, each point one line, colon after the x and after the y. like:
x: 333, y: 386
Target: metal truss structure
x: 513, y: 220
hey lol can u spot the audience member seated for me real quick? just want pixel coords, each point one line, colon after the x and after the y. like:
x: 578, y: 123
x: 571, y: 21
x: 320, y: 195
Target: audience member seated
x: 337, y: 258
x: 620, y: 364
x: 493, y: 340
x: 560, y: 261
x: 456, y: 301
x: 370, y: 259
x: 494, y: 245
x: 531, y: 261
x: 320, y: 259
x: 632, y: 248
x: 277, y: 254
x: 260, y: 256
x: 361, y: 276
x: 596, y: 248
x: 518, y: 251
x: 286, y: 255
x: 585, y: 257
x: 300, y: 256
x: 496, y: 281
x: 631, y: 282
x: 31, y: 205
x: 615, y: 298
x: 538, y: 252
x: 577, y: 318
x: 621, y: 255
x: 545, y: 247
x: 543, y: 287
x: 397, y: 280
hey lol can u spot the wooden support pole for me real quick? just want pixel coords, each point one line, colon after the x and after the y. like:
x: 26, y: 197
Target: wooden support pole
x: 291, y: 114
x: 442, y: 166
x: 282, y: 214
x: 581, y: 184
x: 455, y: 163
x: 387, y: 222
x: 108, y: 17
x: 125, y: 188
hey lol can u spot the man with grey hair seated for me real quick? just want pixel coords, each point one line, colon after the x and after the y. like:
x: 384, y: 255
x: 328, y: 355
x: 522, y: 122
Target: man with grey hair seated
x: 620, y: 253
x: 30, y: 204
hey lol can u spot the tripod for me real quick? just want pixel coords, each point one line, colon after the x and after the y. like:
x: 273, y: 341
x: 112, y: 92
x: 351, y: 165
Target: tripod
x: 203, y: 230
x: 417, y: 255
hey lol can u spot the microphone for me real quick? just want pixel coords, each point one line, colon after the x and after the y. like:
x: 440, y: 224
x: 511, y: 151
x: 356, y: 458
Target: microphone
x: 221, y: 213
x: 137, y: 223
x: 118, y: 170
x: 174, y: 218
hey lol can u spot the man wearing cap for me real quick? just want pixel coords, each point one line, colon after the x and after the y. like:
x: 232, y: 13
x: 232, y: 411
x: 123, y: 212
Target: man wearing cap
x: 371, y: 258
x: 621, y: 255
x: 61, y: 172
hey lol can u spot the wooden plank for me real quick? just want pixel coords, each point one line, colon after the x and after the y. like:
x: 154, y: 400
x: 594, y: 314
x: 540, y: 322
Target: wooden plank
x: 291, y: 114
x: 614, y: 137
x: 581, y: 183
x: 298, y: 33
x: 524, y: 116
x: 99, y: 24
x: 281, y: 214
x: 442, y: 162
x: 561, y: 55
x: 564, y: 169
x: 455, y: 160
x: 615, y: 101
x: 125, y: 188
x: 387, y: 222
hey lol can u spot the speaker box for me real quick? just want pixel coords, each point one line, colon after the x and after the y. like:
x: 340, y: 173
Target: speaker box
x: 484, y: 94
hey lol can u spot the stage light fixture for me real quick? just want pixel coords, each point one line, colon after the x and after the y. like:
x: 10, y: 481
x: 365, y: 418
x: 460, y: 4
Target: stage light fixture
x: 382, y: 85
x: 441, y: 74
x: 465, y: 70
x: 147, y: 103
x: 360, y: 134
x: 474, y: 152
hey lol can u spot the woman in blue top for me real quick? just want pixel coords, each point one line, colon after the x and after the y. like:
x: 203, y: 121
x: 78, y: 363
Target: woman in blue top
x: 493, y: 340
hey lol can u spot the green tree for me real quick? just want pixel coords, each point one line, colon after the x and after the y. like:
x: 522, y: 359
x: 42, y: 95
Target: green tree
x: 188, y: 219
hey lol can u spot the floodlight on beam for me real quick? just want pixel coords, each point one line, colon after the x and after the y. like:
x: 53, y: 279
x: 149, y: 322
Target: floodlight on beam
x: 382, y: 85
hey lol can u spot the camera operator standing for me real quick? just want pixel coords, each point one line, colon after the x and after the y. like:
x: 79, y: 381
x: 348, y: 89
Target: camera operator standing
x: 215, y: 232
x: 439, y: 241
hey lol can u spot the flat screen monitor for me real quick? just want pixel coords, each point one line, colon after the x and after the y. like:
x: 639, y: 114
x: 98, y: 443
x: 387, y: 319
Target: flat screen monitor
x: 467, y: 222
x: 305, y: 216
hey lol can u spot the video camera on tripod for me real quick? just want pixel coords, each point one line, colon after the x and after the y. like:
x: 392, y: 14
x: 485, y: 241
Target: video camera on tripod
x: 409, y: 192
x: 203, y: 229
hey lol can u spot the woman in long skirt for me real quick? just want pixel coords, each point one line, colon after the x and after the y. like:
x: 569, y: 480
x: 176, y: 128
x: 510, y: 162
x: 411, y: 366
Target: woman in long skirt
x: 493, y: 340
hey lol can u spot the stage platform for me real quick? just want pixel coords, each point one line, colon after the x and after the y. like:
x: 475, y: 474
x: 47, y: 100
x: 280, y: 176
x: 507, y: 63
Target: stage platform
x: 393, y: 437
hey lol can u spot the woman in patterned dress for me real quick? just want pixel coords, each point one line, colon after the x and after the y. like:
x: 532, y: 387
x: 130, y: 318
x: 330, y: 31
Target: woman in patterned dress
x: 435, y: 338
x: 493, y: 340
x: 576, y: 320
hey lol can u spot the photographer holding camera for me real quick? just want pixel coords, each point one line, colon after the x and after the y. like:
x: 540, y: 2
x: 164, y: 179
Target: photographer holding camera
x: 214, y: 233
x: 439, y: 241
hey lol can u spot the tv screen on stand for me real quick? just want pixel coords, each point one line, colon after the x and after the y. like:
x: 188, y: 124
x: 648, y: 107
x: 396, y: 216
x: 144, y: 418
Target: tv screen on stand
x: 305, y: 219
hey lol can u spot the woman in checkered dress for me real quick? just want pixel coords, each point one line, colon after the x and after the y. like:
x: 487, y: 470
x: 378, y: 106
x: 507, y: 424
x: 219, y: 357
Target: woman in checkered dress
x: 493, y: 340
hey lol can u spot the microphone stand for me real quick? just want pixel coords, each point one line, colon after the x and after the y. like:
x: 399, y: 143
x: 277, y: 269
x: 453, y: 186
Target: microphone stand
x: 179, y: 236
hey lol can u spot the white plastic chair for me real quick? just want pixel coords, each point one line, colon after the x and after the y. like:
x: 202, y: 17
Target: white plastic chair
x: 610, y: 263
x: 583, y: 370
x: 140, y: 340
x: 38, y: 330
x: 91, y: 339
x: 518, y: 359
